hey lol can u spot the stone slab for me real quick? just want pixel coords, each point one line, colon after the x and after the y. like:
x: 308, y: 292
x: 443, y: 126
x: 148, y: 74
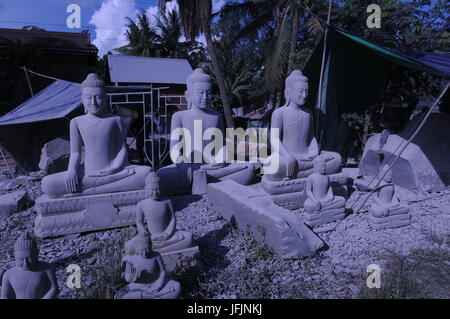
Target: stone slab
x: 12, y: 203
x: 290, y: 193
x: 273, y: 225
x: 394, y: 221
x: 325, y: 217
x: 175, y: 258
x: 63, y: 216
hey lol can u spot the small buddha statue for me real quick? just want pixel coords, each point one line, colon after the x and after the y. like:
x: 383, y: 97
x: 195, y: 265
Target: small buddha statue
x: 386, y: 210
x: 158, y: 214
x: 106, y: 168
x: 198, y: 96
x: 298, y: 146
x: 146, y: 275
x: 321, y: 205
x: 30, y: 278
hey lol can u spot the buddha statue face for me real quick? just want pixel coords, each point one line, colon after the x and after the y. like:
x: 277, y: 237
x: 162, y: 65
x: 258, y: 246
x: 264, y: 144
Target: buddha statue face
x: 320, y: 165
x: 198, y: 92
x: 94, y: 100
x: 93, y: 94
x: 152, y: 186
x: 296, y: 88
x: 26, y: 252
x: 201, y: 95
x: 25, y: 259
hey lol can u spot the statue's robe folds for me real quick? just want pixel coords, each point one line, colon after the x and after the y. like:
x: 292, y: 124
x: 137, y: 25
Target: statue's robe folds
x: 104, y: 141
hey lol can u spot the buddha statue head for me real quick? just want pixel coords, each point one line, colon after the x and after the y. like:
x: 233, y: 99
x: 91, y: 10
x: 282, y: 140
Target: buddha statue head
x: 198, y: 93
x: 139, y: 267
x: 152, y: 185
x: 320, y: 165
x: 26, y: 252
x: 296, y: 90
x: 144, y: 245
x: 93, y: 94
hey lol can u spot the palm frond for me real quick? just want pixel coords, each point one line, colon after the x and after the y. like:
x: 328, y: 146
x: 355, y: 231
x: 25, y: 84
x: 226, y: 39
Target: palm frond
x: 278, y: 57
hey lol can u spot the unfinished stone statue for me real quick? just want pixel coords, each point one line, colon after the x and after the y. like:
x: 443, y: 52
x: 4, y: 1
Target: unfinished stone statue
x: 198, y: 95
x: 30, y: 278
x: 159, y: 216
x: 297, y: 146
x: 146, y: 275
x: 321, y: 205
x: 423, y: 165
x: 386, y: 210
x: 106, y: 167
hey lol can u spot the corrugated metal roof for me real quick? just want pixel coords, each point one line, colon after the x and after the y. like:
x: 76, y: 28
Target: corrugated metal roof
x: 133, y: 69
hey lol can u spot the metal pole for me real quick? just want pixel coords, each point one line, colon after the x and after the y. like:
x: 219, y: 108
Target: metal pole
x: 28, y: 80
x: 6, y: 162
x: 319, y: 100
x: 152, y: 132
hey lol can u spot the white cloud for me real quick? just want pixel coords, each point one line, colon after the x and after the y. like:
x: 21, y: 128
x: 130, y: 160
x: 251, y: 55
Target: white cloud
x: 217, y: 5
x: 110, y: 22
x: 153, y: 11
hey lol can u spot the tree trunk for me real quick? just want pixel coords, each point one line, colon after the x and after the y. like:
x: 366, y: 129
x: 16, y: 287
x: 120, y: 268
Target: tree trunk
x: 220, y: 79
x: 293, y: 46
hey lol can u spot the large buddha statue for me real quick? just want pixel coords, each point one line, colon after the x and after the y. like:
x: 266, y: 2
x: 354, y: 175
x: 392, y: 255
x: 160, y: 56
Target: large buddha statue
x: 106, y: 168
x: 321, y: 205
x: 146, y: 275
x: 30, y: 278
x: 297, y: 145
x: 188, y: 152
x: 155, y: 217
x: 386, y: 210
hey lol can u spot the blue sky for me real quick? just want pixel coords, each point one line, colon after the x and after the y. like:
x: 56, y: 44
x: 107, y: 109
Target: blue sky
x: 51, y: 14
x: 104, y: 18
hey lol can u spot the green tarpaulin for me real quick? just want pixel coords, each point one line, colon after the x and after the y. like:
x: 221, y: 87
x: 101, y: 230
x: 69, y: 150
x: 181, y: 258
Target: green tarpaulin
x: 355, y: 77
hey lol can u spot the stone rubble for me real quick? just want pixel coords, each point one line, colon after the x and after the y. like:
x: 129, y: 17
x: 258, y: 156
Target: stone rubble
x: 234, y: 265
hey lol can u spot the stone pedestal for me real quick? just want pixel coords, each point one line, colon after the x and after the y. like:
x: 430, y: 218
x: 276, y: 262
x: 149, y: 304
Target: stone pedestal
x: 324, y: 217
x: 290, y: 193
x: 393, y: 221
x: 62, y: 216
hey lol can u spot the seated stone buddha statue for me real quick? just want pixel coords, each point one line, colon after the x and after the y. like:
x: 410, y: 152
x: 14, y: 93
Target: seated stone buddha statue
x: 297, y: 145
x: 385, y: 202
x: 30, y: 278
x: 188, y: 142
x: 146, y: 275
x: 155, y: 216
x: 321, y: 205
x: 106, y: 168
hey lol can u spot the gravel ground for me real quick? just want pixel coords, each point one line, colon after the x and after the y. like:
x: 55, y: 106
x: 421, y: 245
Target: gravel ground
x: 233, y: 265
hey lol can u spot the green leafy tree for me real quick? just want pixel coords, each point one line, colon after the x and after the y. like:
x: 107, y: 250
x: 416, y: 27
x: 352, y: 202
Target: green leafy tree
x: 142, y: 37
x: 195, y: 20
x: 280, y: 21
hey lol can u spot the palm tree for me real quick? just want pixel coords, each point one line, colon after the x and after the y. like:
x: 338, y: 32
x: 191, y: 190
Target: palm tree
x: 285, y: 15
x: 169, y: 29
x: 142, y: 38
x: 195, y: 20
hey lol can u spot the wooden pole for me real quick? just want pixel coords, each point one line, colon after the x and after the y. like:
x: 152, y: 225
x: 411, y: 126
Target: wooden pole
x: 28, y: 80
x: 319, y: 100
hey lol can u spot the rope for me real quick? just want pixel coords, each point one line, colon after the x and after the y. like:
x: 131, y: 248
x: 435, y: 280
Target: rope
x: 442, y: 93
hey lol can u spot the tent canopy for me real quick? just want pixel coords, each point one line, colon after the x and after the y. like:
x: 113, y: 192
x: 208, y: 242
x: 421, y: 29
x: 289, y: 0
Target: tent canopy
x: 55, y: 101
x: 355, y: 75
